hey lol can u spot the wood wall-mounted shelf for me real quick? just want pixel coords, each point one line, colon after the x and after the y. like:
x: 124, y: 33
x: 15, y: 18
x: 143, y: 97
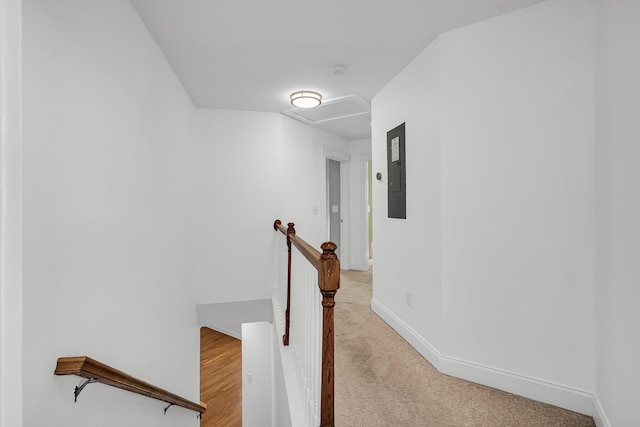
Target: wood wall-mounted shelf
x: 95, y: 371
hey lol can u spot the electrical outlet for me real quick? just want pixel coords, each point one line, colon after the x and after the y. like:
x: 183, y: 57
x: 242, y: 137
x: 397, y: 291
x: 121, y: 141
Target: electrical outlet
x: 409, y: 298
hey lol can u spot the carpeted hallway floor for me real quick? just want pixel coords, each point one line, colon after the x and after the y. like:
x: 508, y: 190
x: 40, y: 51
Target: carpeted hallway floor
x: 382, y: 381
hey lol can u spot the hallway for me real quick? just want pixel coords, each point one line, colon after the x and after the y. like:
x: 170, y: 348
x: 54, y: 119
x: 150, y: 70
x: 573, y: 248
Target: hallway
x: 382, y: 381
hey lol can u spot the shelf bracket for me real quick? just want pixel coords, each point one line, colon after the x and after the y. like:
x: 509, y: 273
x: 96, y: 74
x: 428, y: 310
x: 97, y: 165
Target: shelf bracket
x: 167, y: 408
x: 78, y: 389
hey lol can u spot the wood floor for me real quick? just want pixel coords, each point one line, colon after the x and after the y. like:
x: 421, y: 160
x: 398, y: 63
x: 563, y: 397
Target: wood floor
x: 220, y: 379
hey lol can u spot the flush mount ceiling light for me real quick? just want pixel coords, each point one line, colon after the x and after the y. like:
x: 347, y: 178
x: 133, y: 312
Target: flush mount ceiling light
x: 306, y: 99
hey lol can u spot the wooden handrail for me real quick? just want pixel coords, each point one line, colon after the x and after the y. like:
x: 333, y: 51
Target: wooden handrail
x: 328, y: 267
x: 95, y: 371
x: 310, y: 253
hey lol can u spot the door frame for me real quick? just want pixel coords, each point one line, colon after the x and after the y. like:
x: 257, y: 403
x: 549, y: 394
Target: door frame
x: 360, y: 220
x: 345, y: 227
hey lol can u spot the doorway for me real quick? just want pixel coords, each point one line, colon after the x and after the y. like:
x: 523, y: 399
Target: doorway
x: 220, y: 378
x: 334, y: 210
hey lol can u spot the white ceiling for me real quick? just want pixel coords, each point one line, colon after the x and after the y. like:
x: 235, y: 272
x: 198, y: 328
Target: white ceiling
x: 252, y: 54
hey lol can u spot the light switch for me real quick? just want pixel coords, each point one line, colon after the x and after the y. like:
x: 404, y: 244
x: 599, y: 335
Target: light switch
x: 334, y: 209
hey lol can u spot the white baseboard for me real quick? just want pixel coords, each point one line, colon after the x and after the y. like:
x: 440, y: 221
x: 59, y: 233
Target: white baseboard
x: 599, y: 415
x: 533, y: 388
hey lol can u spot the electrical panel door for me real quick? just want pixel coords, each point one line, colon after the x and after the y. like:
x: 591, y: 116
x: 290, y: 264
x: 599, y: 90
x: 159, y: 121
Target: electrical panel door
x: 396, y: 173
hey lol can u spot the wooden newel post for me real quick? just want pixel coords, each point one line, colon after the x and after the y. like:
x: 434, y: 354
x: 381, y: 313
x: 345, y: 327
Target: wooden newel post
x: 291, y: 231
x: 329, y: 283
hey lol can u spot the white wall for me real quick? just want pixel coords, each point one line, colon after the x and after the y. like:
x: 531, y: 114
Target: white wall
x: 237, y: 161
x: 139, y: 206
x: 105, y: 216
x: 498, y: 245
x: 257, y: 380
x: 518, y: 222
x: 303, y: 175
x: 408, y: 252
x: 256, y: 374
x: 252, y: 168
x: 11, y: 312
x: 281, y: 415
x: 618, y: 210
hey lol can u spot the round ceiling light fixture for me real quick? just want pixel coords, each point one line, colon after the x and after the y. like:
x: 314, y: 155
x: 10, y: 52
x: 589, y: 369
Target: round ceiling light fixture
x: 306, y: 99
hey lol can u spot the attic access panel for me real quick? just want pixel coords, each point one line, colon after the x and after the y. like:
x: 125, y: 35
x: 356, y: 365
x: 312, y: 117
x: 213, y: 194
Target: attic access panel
x: 348, y: 117
x: 396, y: 173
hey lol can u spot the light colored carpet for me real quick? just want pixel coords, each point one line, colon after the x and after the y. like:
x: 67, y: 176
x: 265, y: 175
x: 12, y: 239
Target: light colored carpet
x: 382, y: 381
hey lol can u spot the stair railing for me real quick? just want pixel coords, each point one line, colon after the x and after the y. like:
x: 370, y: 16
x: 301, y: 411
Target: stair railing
x: 327, y: 266
x: 97, y: 372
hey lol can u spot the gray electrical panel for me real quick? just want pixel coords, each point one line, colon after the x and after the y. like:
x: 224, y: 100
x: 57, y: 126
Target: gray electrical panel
x: 396, y: 173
